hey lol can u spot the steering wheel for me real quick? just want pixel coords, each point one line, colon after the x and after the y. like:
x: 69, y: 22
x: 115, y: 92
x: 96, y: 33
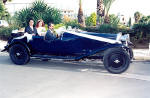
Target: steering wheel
x: 60, y: 36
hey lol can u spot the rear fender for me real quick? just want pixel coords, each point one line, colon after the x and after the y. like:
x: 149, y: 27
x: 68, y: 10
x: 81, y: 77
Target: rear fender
x: 23, y: 43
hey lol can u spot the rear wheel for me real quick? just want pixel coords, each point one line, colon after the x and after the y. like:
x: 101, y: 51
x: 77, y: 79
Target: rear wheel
x: 116, y: 60
x: 19, y: 54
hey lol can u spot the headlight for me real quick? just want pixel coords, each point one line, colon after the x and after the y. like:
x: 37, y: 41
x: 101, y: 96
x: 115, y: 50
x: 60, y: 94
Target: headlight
x: 125, y: 37
x: 119, y: 35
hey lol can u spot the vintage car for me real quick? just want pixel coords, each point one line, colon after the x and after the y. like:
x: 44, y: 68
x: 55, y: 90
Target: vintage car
x: 112, y: 49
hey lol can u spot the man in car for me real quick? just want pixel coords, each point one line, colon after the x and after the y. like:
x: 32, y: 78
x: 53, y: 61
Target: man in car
x: 31, y: 29
x: 50, y: 34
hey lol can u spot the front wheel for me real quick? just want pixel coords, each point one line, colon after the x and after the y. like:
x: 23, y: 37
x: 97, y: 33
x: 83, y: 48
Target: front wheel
x: 116, y: 60
x: 19, y: 54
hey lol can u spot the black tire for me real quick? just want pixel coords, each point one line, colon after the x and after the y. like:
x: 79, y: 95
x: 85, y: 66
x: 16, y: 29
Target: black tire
x: 131, y: 54
x: 116, y: 60
x: 19, y: 54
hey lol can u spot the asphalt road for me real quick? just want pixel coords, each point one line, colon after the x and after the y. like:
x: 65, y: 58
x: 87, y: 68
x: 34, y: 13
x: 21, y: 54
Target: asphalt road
x: 58, y: 79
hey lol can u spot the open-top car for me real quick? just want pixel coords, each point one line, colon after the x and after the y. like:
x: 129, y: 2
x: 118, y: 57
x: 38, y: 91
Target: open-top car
x: 112, y: 49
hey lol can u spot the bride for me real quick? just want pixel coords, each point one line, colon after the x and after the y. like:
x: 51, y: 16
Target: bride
x: 40, y: 26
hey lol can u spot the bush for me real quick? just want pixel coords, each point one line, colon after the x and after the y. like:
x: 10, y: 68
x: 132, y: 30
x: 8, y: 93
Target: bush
x: 114, y: 20
x: 58, y: 25
x: 5, y: 32
x: 72, y: 23
x: 141, y: 30
x: 124, y: 29
x: 104, y: 28
x: 107, y: 28
x: 91, y: 20
x: 111, y: 27
x: 38, y: 10
x: 4, y: 14
x: 91, y: 29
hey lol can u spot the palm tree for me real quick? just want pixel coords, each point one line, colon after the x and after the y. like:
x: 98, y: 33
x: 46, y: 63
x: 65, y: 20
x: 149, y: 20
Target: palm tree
x: 99, y: 12
x: 137, y: 16
x: 107, y: 5
x: 81, y: 19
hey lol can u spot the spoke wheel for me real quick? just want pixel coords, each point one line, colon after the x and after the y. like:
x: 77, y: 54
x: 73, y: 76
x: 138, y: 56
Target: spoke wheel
x: 116, y: 60
x: 19, y: 54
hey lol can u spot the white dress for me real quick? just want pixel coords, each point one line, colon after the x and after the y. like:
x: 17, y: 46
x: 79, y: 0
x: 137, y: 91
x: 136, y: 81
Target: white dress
x: 41, y: 31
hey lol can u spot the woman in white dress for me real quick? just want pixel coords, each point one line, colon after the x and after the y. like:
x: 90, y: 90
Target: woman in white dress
x: 40, y: 28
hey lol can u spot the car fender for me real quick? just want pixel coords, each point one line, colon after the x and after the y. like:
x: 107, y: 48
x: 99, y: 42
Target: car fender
x: 124, y: 48
x: 16, y: 41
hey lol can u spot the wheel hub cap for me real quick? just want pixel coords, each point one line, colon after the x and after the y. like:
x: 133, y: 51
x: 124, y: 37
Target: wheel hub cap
x: 117, y: 61
x: 18, y: 54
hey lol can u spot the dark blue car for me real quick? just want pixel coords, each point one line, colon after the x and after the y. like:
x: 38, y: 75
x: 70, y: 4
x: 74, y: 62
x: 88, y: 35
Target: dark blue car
x: 112, y: 49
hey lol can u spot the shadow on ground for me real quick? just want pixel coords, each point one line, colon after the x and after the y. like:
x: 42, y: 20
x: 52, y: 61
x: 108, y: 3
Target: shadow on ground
x: 77, y: 66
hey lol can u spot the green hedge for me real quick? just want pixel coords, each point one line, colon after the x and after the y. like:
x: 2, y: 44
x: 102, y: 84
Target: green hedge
x: 105, y: 28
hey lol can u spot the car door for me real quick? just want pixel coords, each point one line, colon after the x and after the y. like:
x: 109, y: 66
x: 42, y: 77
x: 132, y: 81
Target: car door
x: 55, y: 47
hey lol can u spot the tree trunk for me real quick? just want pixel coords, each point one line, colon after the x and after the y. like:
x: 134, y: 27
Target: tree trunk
x: 106, y: 19
x: 99, y: 12
x: 81, y: 19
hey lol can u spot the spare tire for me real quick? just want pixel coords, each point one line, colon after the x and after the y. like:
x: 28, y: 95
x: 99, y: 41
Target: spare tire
x: 116, y: 60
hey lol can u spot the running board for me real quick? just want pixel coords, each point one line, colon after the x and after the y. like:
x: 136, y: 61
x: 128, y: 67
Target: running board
x: 54, y: 57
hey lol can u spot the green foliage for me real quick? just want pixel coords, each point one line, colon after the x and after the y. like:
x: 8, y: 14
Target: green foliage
x: 73, y: 24
x: 107, y: 28
x: 104, y: 28
x: 112, y: 27
x: 142, y: 28
x: 38, y: 10
x: 114, y: 20
x: 22, y: 17
x: 1, y: 7
x: 145, y: 20
x: 91, y: 20
x: 91, y: 29
x: 4, y: 15
x: 5, y: 32
x: 107, y: 5
x: 58, y: 25
x: 137, y: 16
x: 124, y: 29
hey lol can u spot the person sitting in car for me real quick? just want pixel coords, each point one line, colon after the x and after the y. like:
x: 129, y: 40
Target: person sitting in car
x: 31, y: 29
x: 50, y: 34
x: 40, y: 26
